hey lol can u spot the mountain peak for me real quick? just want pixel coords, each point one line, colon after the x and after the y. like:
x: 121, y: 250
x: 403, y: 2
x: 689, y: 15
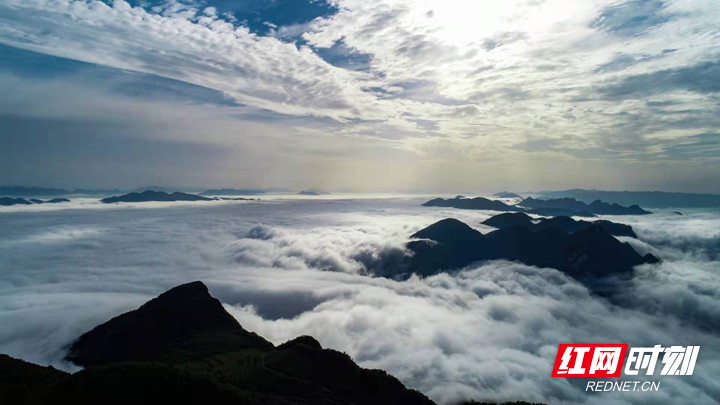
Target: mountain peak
x: 304, y: 340
x: 477, y: 203
x: 584, y: 250
x: 151, y: 195
x: 449, y: 229
x: 183, y: 347
x: 183, y: 323
x: 193, y: 290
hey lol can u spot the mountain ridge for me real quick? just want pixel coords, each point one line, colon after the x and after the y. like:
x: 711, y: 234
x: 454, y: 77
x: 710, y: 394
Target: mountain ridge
x: 477, y: 203
x: 553, y: 207
x: 596, y: 207
x: 150, y: 195
x: 588, y: 254
x: 563, y: 222
x: 183, y: 347
x: 653, y: 199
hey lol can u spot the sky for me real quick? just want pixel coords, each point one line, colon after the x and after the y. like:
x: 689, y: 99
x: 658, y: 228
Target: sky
x: 361, y: 95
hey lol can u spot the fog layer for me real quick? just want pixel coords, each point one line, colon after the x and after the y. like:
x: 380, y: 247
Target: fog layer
x: 285, y: 268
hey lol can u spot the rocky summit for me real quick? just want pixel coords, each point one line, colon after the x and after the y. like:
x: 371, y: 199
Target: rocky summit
x: 183, y: 347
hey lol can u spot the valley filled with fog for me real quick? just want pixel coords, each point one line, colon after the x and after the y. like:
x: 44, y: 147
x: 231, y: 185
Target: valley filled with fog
x: 285, y: 267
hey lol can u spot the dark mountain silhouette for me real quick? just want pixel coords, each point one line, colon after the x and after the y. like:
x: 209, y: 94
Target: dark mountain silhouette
x: 560, y: 212
x: 181, y: 324
x: 51, y: 201
x: 656, y: 199
x: 95, y: 192
x: 556, y: 207
x: 510, y: 219
x: 506, y: 194
x: 449, y: 231
x: 233, y: 191
x: 586, y: 254
x: 150, y: 195
x: 157, y: 188
x: 7, y: 201
x: 26, y: 383
x: 567, y: 224
x: 313, y: 192
x: 477, y: 203
x: 233, y: 199
x: 57, y: 200
x: 184, y: 348
x: 569, y: 204
x: 597, y: 207
x: 453, y: 246
x: 601, y: 208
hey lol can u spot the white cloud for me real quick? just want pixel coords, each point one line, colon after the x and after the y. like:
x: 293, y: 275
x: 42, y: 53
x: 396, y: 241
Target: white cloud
x: 261, y: 71
x: 489, y: 332
x: 540, y: 80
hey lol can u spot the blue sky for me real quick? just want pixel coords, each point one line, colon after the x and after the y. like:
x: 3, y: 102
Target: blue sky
x: 367, y: 95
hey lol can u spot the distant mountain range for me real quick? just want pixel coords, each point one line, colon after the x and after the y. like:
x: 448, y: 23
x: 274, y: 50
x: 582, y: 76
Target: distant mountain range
x: 565, y: 223
x: 654, y: 199
x: 80, y: 191
x: 7, y: 201
x: 597, y: 207
x: 161, y: 196
x: 21, y: 191
x: 477, y: 203
x: 559, y: 212
x: 183, y: 347
x: 164, y: 189
x: 50, y: 201
x: 250, y: 191
x: 147, y: 196
x: 554, y: 207
x: 141, y: 195
x: 313, y: 192
x: 506, y: 194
